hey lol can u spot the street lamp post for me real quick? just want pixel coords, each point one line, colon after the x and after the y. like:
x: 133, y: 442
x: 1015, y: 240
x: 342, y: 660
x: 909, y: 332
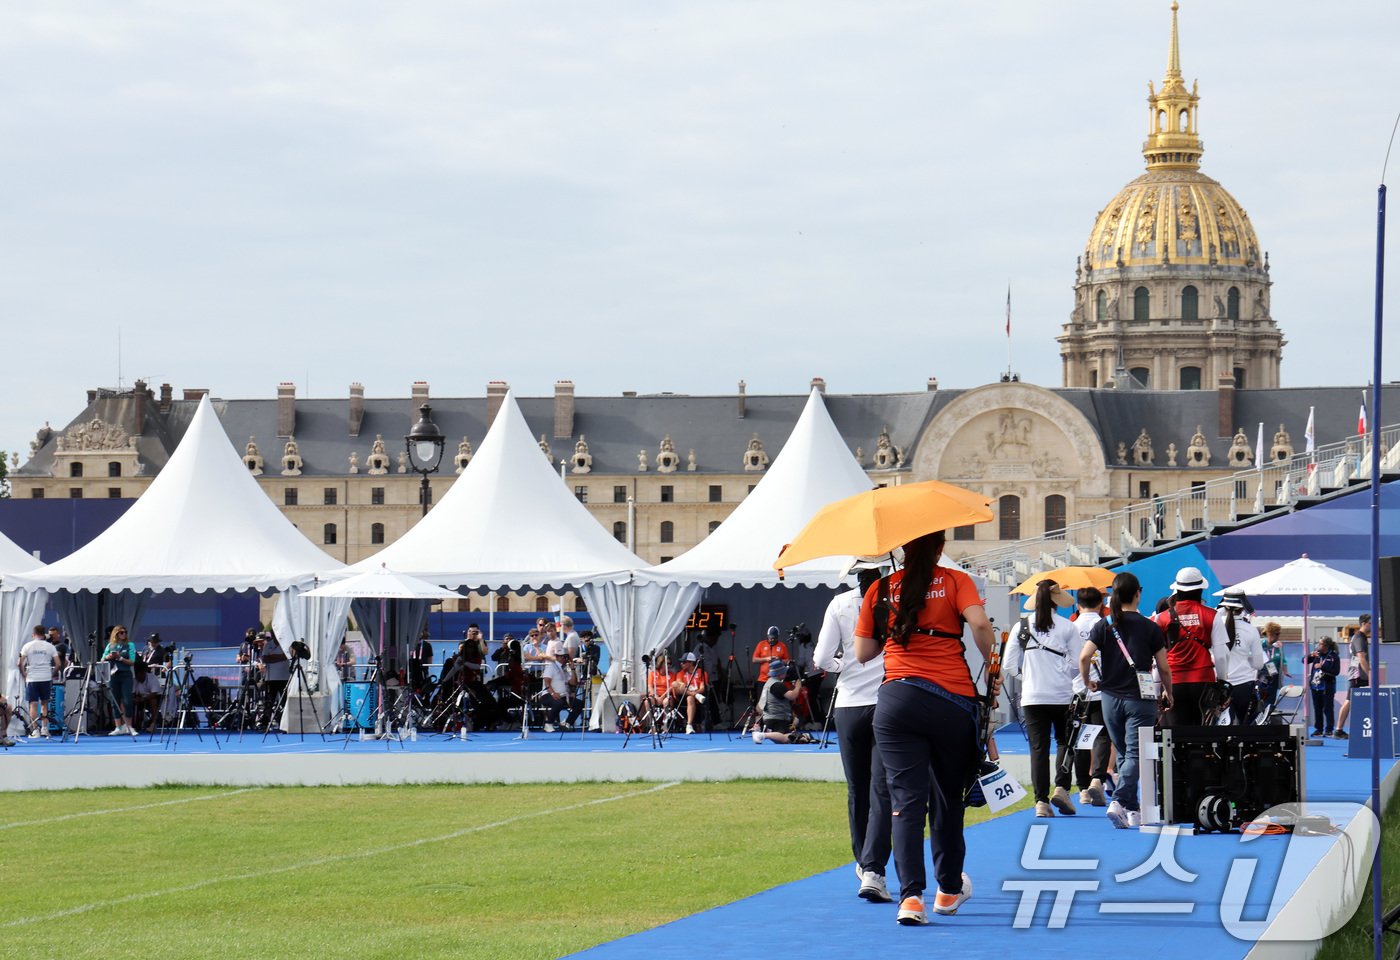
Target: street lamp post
x: 425, y: 444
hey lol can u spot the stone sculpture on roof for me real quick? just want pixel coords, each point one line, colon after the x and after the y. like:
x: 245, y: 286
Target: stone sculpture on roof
x: 463, y: 457
x: 291, y: 459
x: 95, y: 435
x: 666, y: 458
x: 1142, y: 449
x: 1283, y: 445
x: 1239, y: 454
x: 755, y: 459
x: 583, y: 460
x: 378, y: 461
x: 1198, y: 453
x: 252, y: 459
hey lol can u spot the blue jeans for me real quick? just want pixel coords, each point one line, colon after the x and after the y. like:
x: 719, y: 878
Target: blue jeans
x: 1123, y: 718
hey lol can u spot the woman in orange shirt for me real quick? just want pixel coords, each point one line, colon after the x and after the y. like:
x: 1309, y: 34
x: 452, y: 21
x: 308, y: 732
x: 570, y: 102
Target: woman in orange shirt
x: 926, y: 715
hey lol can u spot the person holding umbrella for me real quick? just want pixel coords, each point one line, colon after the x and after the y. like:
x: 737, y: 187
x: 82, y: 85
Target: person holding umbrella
x: 926, y: 715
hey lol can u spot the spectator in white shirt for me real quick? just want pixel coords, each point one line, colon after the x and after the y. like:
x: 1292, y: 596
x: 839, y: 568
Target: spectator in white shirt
x: 555, y: 694
x: 1090, y: 766
x: 1238, y: 651
x: 1041, y: 652
x: 857, y: 684
x: 38, y: 663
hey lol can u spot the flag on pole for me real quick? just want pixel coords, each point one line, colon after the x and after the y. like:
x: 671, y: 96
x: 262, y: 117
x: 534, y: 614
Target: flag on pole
x: 1259, y: 448
x: 1360, y: 417
x: 1310, y: 440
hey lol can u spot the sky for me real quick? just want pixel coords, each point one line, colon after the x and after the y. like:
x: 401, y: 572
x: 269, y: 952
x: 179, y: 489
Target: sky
x: 651, y: 196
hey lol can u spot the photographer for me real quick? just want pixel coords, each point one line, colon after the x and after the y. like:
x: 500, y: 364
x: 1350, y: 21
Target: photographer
x: 1326, y: 665
x: 693, y: 683
x: 276, y: 669
x: 775, y: 704
x: 121, y: 654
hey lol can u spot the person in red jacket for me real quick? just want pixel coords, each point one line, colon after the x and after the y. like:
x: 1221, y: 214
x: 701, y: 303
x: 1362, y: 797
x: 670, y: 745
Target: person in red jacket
x: 1187, y: 622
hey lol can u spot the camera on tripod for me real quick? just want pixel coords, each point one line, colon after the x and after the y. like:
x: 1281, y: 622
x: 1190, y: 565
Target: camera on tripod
x: 800, y: 634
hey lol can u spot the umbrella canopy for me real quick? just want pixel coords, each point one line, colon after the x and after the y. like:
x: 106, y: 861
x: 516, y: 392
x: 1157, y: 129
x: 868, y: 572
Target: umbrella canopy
x: 1302, y: 578
x: 383, y: 584
x: 1071, y: 578
x: 876, y: 521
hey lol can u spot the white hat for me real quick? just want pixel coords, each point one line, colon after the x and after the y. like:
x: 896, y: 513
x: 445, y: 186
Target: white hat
x: 688, y: 658
x: 1188, y: 579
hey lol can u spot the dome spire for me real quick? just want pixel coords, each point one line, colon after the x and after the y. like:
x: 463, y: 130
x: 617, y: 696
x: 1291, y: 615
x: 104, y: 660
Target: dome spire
x: 1172, y: 141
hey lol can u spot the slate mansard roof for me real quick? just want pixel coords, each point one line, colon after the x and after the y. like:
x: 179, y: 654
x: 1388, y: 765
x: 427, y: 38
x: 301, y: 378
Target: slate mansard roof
x: 618, y: 427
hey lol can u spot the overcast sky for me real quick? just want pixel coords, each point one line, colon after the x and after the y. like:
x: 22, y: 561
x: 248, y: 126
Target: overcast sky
x: 647, y: 195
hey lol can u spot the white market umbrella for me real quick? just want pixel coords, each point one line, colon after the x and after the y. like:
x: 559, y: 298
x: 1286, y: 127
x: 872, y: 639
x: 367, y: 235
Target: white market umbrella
x: 383, y: 584
x: 1303, y: 578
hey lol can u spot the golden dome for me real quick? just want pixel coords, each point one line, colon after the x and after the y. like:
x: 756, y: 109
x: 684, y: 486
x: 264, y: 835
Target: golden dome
x: 1172, y: 214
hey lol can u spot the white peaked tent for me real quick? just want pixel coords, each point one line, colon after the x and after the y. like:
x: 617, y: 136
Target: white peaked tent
x: 507, y: 523
x: 510, y: 523
x: 24, y: 610
x: 814, y: 468
x: 204, y: 524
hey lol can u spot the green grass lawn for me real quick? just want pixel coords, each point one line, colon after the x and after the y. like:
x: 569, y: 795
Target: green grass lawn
x: 401, y: 872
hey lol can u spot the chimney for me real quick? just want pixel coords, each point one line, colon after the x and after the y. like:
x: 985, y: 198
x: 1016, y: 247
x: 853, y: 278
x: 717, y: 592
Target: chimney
x: 357, y: 408
x: 167, y: 397
x: 141, y: 394
x: 92, y: 397
x: 495, y: 394
x: 741, y: 399
x: 819, y: 384
x: 420, y: 397
x: 563, y: 409
x: 194, y: 393
x: 932, y: 384
x: 286, y: 409
x: 1225, y: 389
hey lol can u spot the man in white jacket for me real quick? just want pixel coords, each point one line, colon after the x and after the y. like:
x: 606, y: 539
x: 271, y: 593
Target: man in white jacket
x: 857, y: 684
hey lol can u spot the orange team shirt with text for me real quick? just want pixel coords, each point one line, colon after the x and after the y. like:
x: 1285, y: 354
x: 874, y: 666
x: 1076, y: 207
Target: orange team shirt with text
x: 939, y: 660
x: 768, y: 649
x: 1190, y: 660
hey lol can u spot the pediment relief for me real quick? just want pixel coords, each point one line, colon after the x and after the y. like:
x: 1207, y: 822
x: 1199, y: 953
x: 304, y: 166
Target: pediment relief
x: 96, y: 434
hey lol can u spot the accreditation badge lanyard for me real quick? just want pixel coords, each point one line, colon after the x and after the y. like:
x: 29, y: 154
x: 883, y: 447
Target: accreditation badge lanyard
x: 1147, y: 687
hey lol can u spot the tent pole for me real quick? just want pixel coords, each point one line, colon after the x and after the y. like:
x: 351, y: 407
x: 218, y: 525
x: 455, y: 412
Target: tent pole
x: 491, y: 617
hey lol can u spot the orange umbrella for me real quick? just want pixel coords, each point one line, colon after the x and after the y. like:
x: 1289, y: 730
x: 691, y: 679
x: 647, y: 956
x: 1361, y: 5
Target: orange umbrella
x: 876, y: 521
x: 1071, y: 578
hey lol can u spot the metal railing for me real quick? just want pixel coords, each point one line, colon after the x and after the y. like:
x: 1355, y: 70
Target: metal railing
x: 1274, y: 485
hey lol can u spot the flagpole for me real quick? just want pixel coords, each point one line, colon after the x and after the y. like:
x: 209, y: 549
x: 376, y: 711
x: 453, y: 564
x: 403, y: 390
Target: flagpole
x: 1008, y: 331
x: 1377, y: 887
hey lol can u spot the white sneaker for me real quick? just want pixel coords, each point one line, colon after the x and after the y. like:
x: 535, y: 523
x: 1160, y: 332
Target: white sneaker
x: 757, y: 735
x: 34, y: 735
x: 873, y: 888
x: 1117, y: 815
x: 946, y: 904
x: 689, y: 729
x: 1134, y: 819
x: 1095, y: 793
x: 1084, y: 798
x: 549, y: 728
x: 117, y: 732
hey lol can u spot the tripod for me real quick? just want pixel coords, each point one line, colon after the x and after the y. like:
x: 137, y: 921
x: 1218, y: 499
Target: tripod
x: 244, y: 706
x: 185, y: 686
x: 298, y: 681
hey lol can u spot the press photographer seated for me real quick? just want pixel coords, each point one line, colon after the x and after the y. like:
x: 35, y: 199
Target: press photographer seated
x: 775, y: 705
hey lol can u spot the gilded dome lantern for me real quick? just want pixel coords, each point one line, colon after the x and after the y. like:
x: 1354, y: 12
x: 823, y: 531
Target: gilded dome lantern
x: 1172, y: 289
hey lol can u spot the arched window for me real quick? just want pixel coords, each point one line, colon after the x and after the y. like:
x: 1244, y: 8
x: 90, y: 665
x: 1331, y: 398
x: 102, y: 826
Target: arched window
x: 668, y: 532
x: 541, y: 604
x: 1055, y: 515
x: 503, y: 603
x: 328, y: 534
x: 1009, y: 513
x: 114, y: 468
x: 1141, y: 304
x: 1161, y: 121
x: 1142, y: 375
x: 714, y: 525
x: 1232, y: 303
x: 1183, y: 120
x: 1190, y: 304
x: 620, y: 531
x: 579, y: 605
x: 1190, y: 378
x: 376, y: 533
x: 75, y: 469
x: 1101, y: 306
